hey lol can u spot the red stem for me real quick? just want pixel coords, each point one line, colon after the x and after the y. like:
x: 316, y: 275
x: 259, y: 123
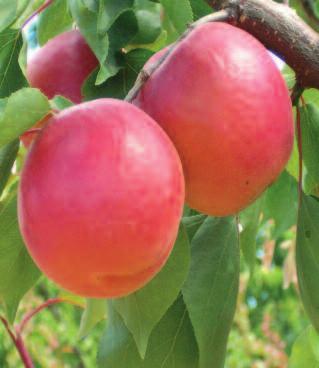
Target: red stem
x: 24, y: 354
x: 28, y: 316
x: 18, y: 342
x: 38, y: 11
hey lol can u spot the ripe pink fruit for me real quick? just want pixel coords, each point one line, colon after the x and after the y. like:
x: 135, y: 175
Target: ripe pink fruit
x: 223, y: 102
x: 61, y: 66
x: 100, y: 198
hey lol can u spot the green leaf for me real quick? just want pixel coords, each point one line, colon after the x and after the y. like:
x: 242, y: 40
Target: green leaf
x: 18, y: 271
x: 110, y: 11
x: 192, y: 224
x: 305, y: 351
x: 307, y: 257
x: 211, y: 289
x: 21, y: 111
x: 8, y: 154
x: 8, y: 11
x: 149, y: 22
x: 281, y: 203
x: 119, y: 85
x: 249, y: 219
x: 60, y: 103
x: 142, y: 310
x: 53, y: 21
x: 200, y: 8
x: 310, y: 137
x: 179, y: 13
x: 11, y: 76
x: 172, y: 343
x: 87, y: 22
x: 94, y: 312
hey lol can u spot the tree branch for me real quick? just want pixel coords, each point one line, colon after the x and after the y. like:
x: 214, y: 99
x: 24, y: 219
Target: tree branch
x: 282, y: 31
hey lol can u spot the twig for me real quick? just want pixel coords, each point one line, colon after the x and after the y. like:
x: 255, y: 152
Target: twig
x: 19, y: 344
x: 30, y: 315
x: 281, y: 30
x: 144, y: 75
x: 38, y: 11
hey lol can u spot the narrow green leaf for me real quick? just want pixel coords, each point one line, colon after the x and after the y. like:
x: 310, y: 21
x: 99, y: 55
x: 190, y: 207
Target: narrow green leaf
x: 109, y: 11
x: 11, y: 76
x: 142, y: 310
x: 172, y: 343
x: 305, y: 351
x: 87, y: 22
x: 179, y: 12
x: 21, y: 111
x: 200, y: 8
x: 307, y: 257
x: 149, y: 22
x: 250, y: 219
x: 8, y: 155
x: 281, y: 203
x: 53, y: 21
x: 94, y: 312
x: 211, y: 289
x: 8, y: 11
x: 192, y: 224
x: 310, y: 148
x: 18, y: 271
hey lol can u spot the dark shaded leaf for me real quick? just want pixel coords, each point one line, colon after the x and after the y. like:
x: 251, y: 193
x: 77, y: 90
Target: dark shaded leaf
x: 210, y: 291
x: 149, y: 22
x: 11, y: 76
x: 18, y: 271
x: 310, y: 148
x: 119, y: 85
x: 142, y: 310
x: 172, y: 343
x: 8, y: 154
x: 281, y: 203
x: 307, y: 257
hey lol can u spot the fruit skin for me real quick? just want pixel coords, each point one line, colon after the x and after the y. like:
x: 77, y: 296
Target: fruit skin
x: 100, y: 198
x: 224, y: 104
x: 61, y: 66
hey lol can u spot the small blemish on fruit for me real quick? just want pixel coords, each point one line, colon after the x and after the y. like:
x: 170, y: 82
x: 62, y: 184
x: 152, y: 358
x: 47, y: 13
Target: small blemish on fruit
x: 247, y: 182
x: 308, y: 234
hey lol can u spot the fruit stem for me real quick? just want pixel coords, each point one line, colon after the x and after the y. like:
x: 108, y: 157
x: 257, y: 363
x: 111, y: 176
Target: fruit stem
x: 142, y: 78
x: 46, y: 4
x: 19, y: 344
x: 49, y: 302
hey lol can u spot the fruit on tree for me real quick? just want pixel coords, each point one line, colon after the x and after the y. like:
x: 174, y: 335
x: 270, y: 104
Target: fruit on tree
x: 100, y: 198
x: 61, y: 66
x: 224, y: 104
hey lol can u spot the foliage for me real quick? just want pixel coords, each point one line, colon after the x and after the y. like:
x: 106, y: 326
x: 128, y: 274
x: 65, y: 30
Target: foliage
x: 186, y: 317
